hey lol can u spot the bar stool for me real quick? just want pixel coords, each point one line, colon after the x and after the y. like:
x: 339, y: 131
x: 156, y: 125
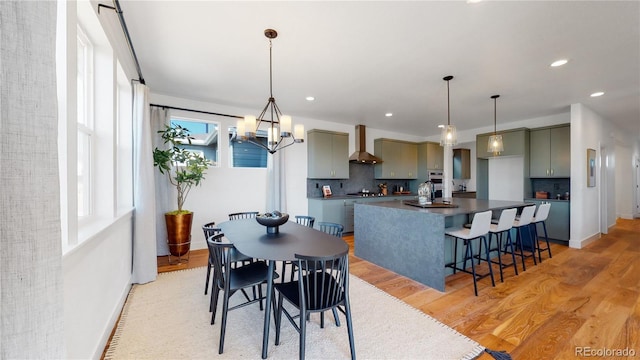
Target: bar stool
x: 541, y: 216
x: 479, y: 228
x: 504, y: 225
x: 522, y: 224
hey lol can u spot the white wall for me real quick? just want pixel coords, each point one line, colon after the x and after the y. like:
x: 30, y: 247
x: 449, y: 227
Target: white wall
x: 624, y: 184
x: 505, y: 178
x: 97, y: 279
x: 589, y: 130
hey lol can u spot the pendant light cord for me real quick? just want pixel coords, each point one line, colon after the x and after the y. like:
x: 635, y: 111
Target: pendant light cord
x: 448, y: 106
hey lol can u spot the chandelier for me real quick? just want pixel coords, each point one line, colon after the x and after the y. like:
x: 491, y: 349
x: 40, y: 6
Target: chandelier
x: 495, y: 144
x: 448, y: 135
x: 276, y: 138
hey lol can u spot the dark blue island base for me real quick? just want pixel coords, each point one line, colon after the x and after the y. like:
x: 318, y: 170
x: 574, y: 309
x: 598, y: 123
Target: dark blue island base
x: 410, y: 240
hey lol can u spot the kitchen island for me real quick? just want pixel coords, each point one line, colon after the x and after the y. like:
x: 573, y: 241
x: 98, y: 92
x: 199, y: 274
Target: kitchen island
x: 410, y: 240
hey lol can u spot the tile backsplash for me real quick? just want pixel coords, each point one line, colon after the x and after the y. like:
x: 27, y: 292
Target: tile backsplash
x: 552, y: 186
x: 361, y: 176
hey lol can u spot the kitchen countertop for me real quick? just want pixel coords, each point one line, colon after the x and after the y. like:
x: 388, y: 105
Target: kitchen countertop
x: 550, y: 200
x: 342, y: 197
x: 465, y: 206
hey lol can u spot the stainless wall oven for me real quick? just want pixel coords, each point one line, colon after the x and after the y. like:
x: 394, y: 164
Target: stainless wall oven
x: 436, y: 179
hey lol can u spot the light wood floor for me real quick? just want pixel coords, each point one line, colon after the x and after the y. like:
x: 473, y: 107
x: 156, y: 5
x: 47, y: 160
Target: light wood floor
x: 578, y: 298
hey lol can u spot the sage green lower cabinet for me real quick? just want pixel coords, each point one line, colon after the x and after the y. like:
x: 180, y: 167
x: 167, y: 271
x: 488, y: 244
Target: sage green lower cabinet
x: 341, y: 210
x: 558, y: 221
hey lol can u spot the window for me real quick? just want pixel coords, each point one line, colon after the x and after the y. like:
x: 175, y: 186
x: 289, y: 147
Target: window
x: 245, y: 154
x: 96, y: 162
x: 84, y: 80
x: 204, y: 137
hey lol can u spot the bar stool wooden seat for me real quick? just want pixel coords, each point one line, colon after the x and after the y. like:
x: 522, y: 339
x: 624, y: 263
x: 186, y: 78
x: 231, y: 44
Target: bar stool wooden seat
x: 479, y: 228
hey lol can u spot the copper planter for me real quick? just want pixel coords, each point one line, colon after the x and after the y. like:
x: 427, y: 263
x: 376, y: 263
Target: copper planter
x: 179, y: 233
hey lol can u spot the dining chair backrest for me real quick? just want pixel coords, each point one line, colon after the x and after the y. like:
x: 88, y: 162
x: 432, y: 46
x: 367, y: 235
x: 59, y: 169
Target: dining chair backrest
x: 210, y: 230
x: 543, y: 212
x: 506, y: 220
x: 480, y: 224
x: 527, y: 215
x: 327, y: 286
x: 219, y: 253
x: 243, y: 215
x: 331, y: 228
x: 305, y: 220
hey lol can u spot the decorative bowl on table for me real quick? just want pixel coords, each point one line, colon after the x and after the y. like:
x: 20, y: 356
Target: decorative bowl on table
x: 272, y: 221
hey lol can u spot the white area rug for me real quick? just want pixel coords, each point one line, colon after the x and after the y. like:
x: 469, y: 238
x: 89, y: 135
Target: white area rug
x: 169, y: 319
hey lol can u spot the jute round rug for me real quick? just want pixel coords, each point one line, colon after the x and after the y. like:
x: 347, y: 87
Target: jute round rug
x: 169, y: 319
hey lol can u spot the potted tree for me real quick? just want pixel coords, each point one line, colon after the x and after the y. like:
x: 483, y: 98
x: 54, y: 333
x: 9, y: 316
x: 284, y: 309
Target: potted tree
x: 184, y: 169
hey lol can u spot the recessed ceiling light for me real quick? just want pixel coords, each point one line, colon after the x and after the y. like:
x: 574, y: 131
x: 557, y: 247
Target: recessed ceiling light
x: 559, y: 62
x: 310, y: 98
x: 388, y: 114
x: 598, y: 93
x: 473, y: 1
x: 440, y: 126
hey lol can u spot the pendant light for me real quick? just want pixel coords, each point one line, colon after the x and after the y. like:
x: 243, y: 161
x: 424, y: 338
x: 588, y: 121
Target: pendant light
x: 248, y: 127
x: 495, y: 144
x: 448, y: 136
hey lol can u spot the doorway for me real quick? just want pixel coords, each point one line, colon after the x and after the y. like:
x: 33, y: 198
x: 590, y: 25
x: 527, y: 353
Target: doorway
x: 604, y: 164
x: 637, y: 186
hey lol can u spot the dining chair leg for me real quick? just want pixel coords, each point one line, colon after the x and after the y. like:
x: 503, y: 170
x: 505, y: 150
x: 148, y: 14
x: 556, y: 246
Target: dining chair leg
x: 335, y: 317
x: 206, y: 283
x: 303, y: 332
x: 278, y: 318
x: 347, y: 312
x: 223, y: 326
x: 213, y: 305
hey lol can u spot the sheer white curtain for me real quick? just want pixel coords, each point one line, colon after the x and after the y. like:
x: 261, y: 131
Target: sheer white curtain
x: 165, y: 193
x: 31, y: 278
x: 145, y: 265
x: 276, y: 182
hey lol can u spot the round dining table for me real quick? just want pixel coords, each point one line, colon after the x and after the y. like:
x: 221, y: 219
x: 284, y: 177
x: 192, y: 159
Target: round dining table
x: 252, y: 239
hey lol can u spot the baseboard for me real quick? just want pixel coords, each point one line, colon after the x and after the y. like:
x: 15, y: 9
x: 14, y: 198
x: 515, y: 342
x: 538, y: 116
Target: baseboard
x: 113, y: 321
x: 579, y: 244
x: 626, y: 216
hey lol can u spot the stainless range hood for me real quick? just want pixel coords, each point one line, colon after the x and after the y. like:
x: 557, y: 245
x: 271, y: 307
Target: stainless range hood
x: 361, y: 155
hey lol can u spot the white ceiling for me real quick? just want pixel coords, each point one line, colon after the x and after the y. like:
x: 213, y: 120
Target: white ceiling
x: 362, y: 59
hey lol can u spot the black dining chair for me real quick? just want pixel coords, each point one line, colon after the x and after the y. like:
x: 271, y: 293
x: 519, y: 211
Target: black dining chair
x: 236, y: 257
x: 327, y: 287
x: 305, y: 220
x: 230, y: 280
x: 331, y: 228
x: 243, y: 215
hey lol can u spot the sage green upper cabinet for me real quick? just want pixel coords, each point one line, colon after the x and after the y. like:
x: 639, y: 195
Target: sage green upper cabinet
x: 430, y: 157
x: 516, y: 143
x: 399, y: 159
x: 435, y: 156
x: 461, y: 164
x: 550, y: 150
x: 327, y: 154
